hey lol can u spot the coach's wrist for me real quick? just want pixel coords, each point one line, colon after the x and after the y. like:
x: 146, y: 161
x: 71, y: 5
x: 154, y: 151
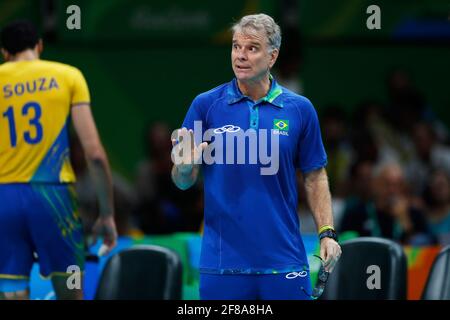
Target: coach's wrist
x: 185, y: 169
x: 328, y: 233
x: 324, y: 228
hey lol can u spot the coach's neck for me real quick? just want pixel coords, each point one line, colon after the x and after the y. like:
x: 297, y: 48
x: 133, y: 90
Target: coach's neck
x: 255, y: 89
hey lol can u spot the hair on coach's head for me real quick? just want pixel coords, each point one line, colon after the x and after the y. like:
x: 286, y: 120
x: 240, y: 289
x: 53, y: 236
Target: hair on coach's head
x: 260, y: 22
x: 18, y: 36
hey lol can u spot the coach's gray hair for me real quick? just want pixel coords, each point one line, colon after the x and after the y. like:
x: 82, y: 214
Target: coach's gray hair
x: 260, y: 22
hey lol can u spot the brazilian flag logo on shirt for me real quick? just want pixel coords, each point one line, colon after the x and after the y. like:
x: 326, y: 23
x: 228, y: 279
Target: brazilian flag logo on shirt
x: 280, y: 124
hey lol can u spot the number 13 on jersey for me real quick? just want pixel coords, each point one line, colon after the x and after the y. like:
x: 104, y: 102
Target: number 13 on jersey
x: 31, y: 110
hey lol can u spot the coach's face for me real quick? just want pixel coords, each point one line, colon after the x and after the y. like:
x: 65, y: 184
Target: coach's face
x: 251, y: 56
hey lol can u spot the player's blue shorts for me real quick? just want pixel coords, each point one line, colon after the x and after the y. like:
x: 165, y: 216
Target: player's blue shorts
x: 38, y: 221
x: 282, y: 286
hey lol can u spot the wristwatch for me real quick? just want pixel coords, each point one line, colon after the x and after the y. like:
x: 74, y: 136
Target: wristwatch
x: 330, y: 233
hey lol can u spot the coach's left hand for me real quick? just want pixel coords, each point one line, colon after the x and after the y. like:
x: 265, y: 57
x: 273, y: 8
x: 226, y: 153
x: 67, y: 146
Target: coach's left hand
x: 330, y: 252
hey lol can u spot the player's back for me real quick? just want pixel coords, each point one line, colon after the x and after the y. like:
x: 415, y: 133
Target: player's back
x: 35, y: 101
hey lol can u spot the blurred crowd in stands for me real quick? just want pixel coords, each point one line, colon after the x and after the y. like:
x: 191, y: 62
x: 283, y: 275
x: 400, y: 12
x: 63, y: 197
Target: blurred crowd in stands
x: 388, y: 167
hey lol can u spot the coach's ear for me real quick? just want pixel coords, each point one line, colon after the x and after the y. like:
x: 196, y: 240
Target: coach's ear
x: 273, y: 57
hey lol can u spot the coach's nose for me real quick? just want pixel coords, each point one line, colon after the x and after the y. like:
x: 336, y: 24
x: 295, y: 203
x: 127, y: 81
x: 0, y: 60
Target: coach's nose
x: 242, y: 55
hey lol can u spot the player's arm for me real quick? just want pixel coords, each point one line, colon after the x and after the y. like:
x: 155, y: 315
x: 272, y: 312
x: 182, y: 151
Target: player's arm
x: 185, y: 156
x: 319, y: 200
x: 100, y: 172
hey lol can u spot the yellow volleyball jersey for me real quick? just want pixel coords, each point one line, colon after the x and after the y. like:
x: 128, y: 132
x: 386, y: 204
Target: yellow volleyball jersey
x: 35, y: 101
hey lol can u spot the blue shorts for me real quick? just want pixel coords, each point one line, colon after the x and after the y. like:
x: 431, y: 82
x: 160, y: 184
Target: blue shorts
x: 282, y: 286
x: 38, y: 221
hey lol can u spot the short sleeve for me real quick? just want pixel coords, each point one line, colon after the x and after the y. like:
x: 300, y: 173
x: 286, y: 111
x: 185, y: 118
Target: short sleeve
x: 311, y: 151
x: 80, y: 90
x: 195, y: 119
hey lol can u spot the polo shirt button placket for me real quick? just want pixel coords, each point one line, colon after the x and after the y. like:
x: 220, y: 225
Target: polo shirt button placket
x: 254, y: 116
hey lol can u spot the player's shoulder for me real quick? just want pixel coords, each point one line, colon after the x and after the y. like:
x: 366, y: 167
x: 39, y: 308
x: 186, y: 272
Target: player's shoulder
x: 59, y: 66
x: 40, y: 67
x: 4, y: 66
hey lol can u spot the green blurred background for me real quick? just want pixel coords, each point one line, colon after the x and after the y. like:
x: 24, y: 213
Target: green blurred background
x: 146, y: 60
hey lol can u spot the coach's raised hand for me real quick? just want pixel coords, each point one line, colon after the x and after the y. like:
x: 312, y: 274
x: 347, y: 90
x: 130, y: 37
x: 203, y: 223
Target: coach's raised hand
x: 186, y: 157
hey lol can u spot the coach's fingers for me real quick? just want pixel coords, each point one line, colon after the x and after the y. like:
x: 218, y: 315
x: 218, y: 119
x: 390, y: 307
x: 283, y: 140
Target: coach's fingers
x: 331, y: 265
x: 191, y: 137
x: 182, y: 134
x: 202, y: 146
x: 333, y: 256
x: 323, y: 253
x: 329, y: 253
x: 175, y: 153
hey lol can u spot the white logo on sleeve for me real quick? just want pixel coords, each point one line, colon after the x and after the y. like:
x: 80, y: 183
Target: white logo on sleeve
x: 294, y: 274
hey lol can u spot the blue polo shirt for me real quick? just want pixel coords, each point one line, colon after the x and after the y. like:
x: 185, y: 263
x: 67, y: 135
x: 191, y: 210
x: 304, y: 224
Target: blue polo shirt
x: 251, y: 224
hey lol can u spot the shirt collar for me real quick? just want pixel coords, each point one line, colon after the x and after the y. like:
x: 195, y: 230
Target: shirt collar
x: 235, y: 95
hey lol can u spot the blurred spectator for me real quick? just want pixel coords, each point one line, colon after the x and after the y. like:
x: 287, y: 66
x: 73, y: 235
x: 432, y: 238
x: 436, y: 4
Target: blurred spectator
x: 162, y: 207
x: 368, y: 113
x: 372, y: 137
x: 429, y: 155
x: 393, y: 145
x: 126, y: 226
x: 365, y: 147
x: 337, y: 147
x: 158, y: 148
x: 406, y: 103
x: 123, y: 193
x: 437, y: 201
x: 390, y: 215
x: 408, y: 106
x: 360, y: 185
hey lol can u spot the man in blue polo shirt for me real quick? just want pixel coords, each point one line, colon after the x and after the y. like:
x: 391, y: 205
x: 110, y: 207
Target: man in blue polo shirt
x: 248, y: 137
